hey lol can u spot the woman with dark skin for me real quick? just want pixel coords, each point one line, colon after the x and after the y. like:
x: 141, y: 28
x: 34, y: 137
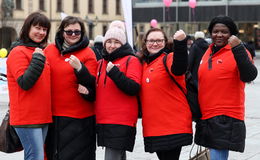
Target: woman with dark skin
x: 224, y: 69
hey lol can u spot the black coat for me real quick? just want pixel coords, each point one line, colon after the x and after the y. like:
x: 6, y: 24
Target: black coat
x: 221, y: 132
x: 197, y: 50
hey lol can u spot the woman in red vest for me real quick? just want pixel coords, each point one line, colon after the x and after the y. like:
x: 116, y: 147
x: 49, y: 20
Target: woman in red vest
x: 166, y: 116
x: 28, y: 74
x: 224, y: 69
x: 73, y: 63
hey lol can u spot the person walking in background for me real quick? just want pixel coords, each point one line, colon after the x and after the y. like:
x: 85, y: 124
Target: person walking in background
x: 73, y: 65
x: 166, y: 116
x: 118, y: 83
x: 98, y: 46
x: 224, y: 69
x: 28, y: 75
x: 197, y: 50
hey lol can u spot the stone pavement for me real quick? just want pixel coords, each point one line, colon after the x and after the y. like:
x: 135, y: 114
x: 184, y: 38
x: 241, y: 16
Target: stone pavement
x: 252, y: 149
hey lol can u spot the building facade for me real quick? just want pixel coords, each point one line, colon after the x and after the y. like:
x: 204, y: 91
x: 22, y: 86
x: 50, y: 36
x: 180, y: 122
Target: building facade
x: 97, y: 14
x: 180, y: 16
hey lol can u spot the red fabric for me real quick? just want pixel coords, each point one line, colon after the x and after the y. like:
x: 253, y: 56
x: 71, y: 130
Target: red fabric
x: 113, y: 106
x: 66, y: 100
x: 221, y: 92
x: 164, y: 106
x: 34, y: 105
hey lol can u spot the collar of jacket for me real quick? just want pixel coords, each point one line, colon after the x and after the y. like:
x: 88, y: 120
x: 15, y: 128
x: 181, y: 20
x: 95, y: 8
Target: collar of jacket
x: 28, y: 44
x: 148, y: 58
x: 82, y: 43
x: 123, y: 51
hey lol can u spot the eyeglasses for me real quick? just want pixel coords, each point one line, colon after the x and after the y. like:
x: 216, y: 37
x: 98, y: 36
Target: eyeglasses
x: 70, y: 32
x: 152, y: 41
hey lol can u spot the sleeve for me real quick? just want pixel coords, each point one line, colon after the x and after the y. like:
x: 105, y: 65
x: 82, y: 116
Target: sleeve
x: 86, y: 75
x: 247, y: 69
x: 180, y: 58
x: 130, y: 82
x: 26, y: 72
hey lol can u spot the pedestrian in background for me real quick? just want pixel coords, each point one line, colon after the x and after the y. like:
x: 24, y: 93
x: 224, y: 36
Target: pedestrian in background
x: 224, y: 69
x: 73, y: 64
x: 166, y: 116
x: 197, y: 50
x: 118, y: 83
x: 28, y: 75
x: 98, y: 46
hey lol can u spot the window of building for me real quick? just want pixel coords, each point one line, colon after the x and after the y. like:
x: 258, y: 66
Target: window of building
x: 41, y: 5
x: 59, y: 5
x: 118, y: 7
x: 104, y: 29
x: 18, y: 4
x: 104, y: 7
x: 90, y: 6
x: 75, y: 6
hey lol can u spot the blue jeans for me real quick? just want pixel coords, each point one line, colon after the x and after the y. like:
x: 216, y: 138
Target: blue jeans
x: 218, y: 154
x: 32, y: 140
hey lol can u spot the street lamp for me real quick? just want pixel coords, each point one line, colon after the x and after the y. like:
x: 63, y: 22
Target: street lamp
x: 91, y: 24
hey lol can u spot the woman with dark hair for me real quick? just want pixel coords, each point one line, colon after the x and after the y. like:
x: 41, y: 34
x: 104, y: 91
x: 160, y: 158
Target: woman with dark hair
x: 73, y: 65
x: 166, y: 116
x: 224, y: 69
x: 28, y: 74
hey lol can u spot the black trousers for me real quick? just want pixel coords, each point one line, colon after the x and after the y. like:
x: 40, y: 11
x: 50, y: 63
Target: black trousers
x: 173, y: 154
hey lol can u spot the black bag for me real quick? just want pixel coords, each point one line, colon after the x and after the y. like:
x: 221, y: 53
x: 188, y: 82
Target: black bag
x: 9, y: 140
x: 192, y: 92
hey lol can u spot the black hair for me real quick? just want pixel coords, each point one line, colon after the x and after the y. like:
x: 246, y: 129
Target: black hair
x: 228, y: 21
x: 35, y: 18
x: 71, y: 20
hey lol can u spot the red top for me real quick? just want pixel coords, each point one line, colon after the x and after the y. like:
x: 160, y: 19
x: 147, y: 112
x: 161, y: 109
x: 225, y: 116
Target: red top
x: 221, y: 92
x: 165, y: 108
x: 66, y: 100
x: 113, y: 106
x: 34, y: 105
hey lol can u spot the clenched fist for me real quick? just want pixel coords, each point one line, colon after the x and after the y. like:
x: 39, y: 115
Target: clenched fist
x: 75, y: 62
x: 233, y: 41
x: 38, y: 50
x: 179, y: 35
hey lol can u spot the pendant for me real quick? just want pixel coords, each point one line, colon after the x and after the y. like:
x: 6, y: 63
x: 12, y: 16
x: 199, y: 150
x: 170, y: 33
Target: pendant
x: 147, y: 80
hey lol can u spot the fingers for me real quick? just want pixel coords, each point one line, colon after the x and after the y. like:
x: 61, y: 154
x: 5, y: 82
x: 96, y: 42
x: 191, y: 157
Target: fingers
x: 110, y: 65
x: 83, y: 89
x: 74, y: 62
x: 233, y: 41
x: 179, y: 35
x: 38, y: 50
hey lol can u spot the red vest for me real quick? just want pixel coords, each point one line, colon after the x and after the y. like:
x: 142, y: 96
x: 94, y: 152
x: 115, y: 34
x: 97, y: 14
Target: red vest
x: 34, y: 105
x: 66, y: 100
x: 221, y: 92
x: 164, y: 106
x: 113, y: 106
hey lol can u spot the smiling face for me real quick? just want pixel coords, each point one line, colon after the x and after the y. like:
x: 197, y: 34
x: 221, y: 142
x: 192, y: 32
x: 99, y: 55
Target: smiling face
x: 37, y: 33
x: 112, y: 44
x: 155, y: 42
x: 74, y: 37
x: 220, y: 34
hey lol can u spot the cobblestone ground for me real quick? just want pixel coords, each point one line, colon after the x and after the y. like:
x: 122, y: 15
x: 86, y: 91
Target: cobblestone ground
x: 252, y: 149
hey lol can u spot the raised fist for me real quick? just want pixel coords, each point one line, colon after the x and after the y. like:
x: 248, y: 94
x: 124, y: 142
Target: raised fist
x: 179, y: 35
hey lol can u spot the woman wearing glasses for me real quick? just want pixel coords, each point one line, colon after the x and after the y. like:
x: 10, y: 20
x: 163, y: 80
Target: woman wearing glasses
x: 166, y: 116
x: 73, y: 64
x: 118, y: 83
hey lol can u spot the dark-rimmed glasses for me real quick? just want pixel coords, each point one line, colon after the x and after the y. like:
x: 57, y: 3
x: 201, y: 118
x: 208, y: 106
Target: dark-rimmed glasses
x: 70, y: 32
x: 152, y: 41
